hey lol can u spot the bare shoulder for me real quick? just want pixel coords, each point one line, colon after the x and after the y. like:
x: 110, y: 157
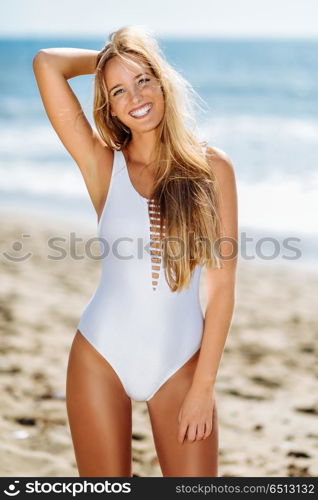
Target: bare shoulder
x: 220, y: 162
x: 223, y: 170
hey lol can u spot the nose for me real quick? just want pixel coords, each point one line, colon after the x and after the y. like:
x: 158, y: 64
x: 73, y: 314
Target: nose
x: 136, y: 93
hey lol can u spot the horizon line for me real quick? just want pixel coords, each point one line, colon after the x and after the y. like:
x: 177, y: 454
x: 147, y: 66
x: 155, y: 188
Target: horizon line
x: 167, y: 36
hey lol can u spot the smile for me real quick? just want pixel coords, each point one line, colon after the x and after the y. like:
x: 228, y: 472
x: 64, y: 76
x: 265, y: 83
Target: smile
x: 141, y: 112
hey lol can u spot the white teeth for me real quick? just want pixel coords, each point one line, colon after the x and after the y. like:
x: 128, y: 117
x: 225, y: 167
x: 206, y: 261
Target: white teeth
x: 141, y: 111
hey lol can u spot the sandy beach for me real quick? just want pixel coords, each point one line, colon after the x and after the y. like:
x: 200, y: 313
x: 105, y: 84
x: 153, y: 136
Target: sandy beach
x: 266, y: 388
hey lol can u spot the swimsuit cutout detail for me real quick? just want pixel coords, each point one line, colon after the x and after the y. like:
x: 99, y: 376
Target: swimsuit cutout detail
x: 143, y: 329
x: 155, y: 249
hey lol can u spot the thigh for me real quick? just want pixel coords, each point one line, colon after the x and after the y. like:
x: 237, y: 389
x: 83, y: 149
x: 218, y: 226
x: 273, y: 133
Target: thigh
x: 99, y: 413
x: 189, y: 459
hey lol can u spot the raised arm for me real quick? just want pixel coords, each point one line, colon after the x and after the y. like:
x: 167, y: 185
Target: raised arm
x: 52, y: 68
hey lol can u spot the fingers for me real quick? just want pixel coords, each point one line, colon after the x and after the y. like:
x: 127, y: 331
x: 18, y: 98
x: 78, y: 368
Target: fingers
x: 191, y: 433
x: 200, y: 431
x: 208, y: 429
x: 182, y: 431
x: 194, y: 432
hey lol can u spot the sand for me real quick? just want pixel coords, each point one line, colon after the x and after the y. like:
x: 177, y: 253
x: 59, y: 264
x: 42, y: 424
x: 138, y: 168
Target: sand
x: 266, y: 388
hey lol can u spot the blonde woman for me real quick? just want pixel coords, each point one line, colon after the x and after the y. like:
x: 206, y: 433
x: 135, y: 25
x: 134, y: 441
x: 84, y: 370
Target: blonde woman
x: 143, y: 335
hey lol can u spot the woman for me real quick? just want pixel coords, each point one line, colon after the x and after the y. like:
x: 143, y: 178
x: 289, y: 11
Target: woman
x: 143, y: 335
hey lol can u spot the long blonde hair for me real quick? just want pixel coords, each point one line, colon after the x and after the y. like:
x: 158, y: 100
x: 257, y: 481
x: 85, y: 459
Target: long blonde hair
x: 185, y: 186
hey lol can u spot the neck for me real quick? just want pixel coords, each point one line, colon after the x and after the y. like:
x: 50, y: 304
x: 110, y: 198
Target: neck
x: 141, y: 148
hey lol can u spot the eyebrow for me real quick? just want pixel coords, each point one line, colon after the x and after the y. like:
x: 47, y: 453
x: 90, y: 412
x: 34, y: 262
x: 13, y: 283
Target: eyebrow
x: 120, y: 84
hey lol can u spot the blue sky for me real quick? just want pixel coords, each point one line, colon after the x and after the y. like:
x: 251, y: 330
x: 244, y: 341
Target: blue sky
x: 174, y: 18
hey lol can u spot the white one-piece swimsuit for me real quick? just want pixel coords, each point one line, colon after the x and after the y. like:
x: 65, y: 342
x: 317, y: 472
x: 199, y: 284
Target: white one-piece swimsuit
x: 143, y: 329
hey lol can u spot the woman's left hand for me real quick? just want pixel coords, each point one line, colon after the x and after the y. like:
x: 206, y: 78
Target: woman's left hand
x: 195, y: 415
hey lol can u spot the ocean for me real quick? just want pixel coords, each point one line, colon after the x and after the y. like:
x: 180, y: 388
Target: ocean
x: 260, y: 106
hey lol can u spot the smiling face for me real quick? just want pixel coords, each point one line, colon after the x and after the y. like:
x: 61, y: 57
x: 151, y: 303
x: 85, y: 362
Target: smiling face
x: 134, y: 93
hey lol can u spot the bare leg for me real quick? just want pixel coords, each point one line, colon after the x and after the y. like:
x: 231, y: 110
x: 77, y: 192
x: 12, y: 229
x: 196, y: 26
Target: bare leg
x: 189, y: 459
x: 99, y: 413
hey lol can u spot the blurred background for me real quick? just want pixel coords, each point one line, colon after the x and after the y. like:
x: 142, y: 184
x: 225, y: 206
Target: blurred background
x: 255, y: 65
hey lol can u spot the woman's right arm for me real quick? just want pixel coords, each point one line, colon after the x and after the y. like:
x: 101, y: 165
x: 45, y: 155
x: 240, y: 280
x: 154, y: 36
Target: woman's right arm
x: 52, y: 68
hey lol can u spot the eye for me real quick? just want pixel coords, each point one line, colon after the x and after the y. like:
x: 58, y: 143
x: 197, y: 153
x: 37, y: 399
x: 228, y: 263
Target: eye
x: 115, y: 93
x: 141, y: 80
x: 144, y: 79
